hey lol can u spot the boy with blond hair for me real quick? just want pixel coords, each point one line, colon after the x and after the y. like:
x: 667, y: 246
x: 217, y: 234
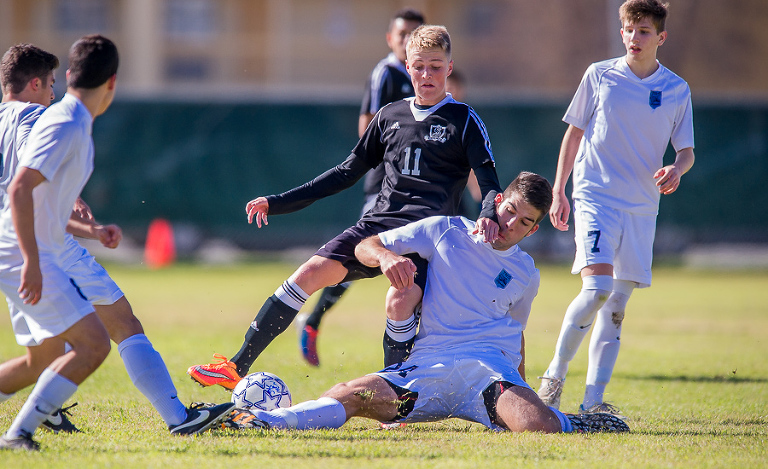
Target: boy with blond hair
x: 428, y: 145
x: 621, y: 120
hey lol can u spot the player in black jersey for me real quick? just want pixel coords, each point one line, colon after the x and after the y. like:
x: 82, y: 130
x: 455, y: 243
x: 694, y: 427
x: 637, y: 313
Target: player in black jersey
x: 428, y: 145
x: 389, y: 82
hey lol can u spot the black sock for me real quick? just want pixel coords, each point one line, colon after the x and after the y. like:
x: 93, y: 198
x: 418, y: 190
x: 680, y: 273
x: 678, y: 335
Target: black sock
x: 396, y: 352
x: 273, y: 318
x: 328, y: 297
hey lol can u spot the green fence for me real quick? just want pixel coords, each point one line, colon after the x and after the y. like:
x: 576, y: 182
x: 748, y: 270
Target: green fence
x: 197, y: 164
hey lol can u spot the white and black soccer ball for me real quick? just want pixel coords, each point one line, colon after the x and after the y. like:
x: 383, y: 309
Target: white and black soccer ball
x: 263, y: 391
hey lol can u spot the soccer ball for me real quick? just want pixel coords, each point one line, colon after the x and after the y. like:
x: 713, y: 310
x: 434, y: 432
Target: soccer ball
x: 263, y: 391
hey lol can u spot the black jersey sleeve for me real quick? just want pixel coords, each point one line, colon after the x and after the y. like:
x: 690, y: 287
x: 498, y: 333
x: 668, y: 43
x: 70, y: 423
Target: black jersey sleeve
x: 489, y: 187
x: 335, y: 180
x: 478, y: 148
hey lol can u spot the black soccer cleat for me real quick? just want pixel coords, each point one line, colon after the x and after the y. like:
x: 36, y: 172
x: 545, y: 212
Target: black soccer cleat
x: 597, y: 423
x: 23, y: 442
x: 59, y: 421
x: 201, y: 418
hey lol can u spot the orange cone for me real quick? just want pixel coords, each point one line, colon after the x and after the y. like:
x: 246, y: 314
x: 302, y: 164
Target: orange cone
x: 160, y: 250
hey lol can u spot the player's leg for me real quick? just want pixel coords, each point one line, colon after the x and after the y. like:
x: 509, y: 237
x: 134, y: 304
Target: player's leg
x: 59, y: 381
x: 633, y: 262
x: 519, y: 409
x: 369, y: 396
x: 604, y: 344
x: 20, y: 372
x: 143, y: 363
x: 402, y: 316
x: 308, y: 326
x: 595, y: 247
x: 275, y: 316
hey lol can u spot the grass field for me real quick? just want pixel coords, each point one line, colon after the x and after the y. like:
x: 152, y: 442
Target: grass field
x: 692, y: 376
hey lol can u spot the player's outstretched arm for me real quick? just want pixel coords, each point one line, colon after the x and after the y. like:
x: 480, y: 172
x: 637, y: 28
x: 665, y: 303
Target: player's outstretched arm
x: 561, y: 209
x: 668, y: 177
x: 258, y: 208
x: 398, y: 269
x: 23, y: 214
x: 108, y: 235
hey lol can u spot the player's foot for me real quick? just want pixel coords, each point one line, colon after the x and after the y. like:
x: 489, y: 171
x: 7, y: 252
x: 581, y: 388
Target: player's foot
x: 23, y: 442
x: 223, y: 373
x: 550, y: 391
x: 601, y: 408
x: 201, y: 417
x: 59, y: 421
x: 391, y: 425
x: 597, y: 423
x: 241, y: 419
x: 308, y: 344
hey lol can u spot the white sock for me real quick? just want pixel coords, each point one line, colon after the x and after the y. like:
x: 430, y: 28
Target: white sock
x: 50, y: 393
x: 291, y: 294
x: 4, y: 397
x: 605, y: 343
x: 150, y: 376
x: 325, y: 412
x: 577, y: 321
x: 402, y: 331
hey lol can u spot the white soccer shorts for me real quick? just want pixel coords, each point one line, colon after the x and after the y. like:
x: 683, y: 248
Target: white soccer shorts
x: 451, y: 385
x: 93, y: 279
x: 609, y: 236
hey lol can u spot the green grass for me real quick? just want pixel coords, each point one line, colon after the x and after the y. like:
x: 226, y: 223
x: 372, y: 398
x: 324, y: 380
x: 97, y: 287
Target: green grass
x: 692, y: 376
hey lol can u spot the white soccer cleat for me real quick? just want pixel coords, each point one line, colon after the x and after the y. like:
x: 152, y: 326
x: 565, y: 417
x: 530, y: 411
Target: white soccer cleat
x: 550, y: 391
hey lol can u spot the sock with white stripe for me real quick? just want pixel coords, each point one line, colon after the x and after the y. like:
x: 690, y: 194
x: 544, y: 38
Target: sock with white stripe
x: 274, y: 317
x: 398, y: 339
x: 50, y: 393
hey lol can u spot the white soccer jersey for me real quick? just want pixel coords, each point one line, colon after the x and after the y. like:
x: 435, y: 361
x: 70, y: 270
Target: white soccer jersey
x: 16, y: 121
x: 627, y: 125
x: 60, y: 146
x: 476, y: 297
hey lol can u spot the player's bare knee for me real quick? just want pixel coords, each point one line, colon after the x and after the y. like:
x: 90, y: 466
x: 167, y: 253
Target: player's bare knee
x: 401, y: 304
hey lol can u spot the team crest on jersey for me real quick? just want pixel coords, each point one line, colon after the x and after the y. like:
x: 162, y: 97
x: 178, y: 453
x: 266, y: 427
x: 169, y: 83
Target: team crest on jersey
x: 654, y: 99
x: 395, y: 126
x: 502, y: 280
x: 436, y: 133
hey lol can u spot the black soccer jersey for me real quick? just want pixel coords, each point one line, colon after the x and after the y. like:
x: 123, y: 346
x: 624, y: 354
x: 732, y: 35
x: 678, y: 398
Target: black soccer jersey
x: 389, y: 82
x: 427, y: 155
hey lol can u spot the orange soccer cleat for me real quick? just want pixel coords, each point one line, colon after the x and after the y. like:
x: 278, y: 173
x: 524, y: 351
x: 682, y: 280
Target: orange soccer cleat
x: 223, y: 373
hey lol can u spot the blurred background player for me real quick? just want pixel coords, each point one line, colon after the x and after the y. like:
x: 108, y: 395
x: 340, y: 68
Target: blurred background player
x: 429, y: 144
x: 620, y: 122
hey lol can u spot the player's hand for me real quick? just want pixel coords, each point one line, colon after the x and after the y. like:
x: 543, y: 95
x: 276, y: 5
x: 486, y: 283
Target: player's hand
x: 257, y: 207
x: 668, y: 179
x: 399, y: 270
x: 31, y: 287
x: 110, y: 236
x: 559, y: 212
x: 82, y: 209
x: 488, y: 228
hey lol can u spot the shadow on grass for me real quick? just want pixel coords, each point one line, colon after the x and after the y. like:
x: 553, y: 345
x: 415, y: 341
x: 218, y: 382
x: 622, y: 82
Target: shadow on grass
x: 698, y: 379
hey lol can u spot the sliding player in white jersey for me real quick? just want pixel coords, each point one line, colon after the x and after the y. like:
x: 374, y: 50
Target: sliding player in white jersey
x: 467, y: 361
x: 428, y: 145
x: 621, y: 120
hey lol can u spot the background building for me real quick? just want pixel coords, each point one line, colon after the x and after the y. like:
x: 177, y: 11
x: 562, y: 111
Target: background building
x: 220, y: 101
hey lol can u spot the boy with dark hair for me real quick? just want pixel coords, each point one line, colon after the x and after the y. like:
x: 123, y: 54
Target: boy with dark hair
x: 467, y: 361
x: 428, y: 145
x: 621, y: 120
